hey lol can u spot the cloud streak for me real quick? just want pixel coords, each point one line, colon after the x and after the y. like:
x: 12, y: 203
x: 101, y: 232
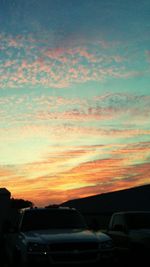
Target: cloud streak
x: 98, y: 108
x: 76, y: 173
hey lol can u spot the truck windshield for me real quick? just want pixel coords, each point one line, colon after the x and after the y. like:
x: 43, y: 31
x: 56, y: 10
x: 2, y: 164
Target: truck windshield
x: 138, y: 220
x: 52, y: 219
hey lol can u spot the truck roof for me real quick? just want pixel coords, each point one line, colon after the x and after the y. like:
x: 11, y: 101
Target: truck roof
x: 49, y: 208
x: 131, y: 212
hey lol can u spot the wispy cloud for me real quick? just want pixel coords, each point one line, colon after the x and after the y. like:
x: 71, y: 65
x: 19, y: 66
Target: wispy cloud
x: 41, y: 108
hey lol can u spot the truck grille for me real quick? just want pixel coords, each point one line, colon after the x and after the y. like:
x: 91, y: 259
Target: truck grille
x: 74, y: 252
x: 73, y: 246
x: 75, y: 257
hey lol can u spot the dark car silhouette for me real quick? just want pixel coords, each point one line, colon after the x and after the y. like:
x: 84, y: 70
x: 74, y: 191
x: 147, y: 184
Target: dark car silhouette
x: 130, y: 232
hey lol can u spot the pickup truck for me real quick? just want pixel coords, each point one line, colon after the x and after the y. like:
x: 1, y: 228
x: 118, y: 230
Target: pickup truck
x: 130, y: 232
x: 53, y: 236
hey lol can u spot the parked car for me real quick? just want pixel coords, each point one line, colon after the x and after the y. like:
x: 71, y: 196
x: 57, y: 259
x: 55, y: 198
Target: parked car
x: 55, y: 236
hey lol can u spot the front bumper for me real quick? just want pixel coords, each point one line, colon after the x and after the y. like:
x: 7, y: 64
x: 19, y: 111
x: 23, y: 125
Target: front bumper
x: 70, y: 258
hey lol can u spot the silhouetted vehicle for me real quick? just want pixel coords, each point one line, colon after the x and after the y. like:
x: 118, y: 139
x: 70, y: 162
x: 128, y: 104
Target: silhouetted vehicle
x: 55, y: 236
x: 130, y: 232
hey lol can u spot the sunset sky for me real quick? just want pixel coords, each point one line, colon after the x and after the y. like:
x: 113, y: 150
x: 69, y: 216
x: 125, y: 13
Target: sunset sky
x: 74, y: 97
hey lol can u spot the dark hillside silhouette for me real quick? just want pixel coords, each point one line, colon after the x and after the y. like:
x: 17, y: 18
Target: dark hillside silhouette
x: 135, y: 198
x: 98, y: 209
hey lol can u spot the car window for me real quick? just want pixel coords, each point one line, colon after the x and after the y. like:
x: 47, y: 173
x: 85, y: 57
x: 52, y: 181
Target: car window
x: 138, y: 220
x: 52, y: 219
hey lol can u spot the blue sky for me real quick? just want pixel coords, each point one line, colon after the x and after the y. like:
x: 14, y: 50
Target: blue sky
x: 74, y: 97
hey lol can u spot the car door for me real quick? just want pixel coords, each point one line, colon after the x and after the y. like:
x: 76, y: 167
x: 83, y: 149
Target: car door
x: 119, y: 233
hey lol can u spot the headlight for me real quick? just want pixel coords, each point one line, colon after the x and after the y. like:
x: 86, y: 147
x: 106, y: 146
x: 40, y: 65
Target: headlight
x: 36, y: 247
x: 106, y: 244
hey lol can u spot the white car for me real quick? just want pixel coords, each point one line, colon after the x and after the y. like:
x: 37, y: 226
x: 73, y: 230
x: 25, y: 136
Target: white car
x: 55, y: 236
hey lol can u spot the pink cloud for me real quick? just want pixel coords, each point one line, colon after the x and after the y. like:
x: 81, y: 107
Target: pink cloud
x: 58, y: 67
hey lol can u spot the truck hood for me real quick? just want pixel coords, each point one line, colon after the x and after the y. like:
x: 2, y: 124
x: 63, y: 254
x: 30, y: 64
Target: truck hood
x: 142, y: 233
x: 65, y: 235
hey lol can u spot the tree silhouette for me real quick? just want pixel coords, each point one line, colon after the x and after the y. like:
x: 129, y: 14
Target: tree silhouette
x: 20, y: 203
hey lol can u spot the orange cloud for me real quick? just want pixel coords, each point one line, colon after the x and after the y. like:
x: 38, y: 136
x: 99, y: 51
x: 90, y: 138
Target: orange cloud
x: 71, y: 174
